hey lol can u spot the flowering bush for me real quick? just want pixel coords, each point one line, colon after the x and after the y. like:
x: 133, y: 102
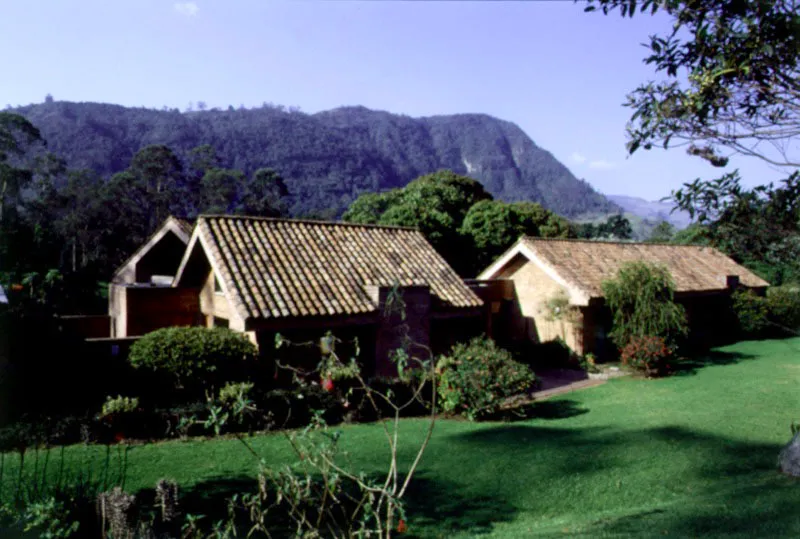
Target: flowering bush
x: 649, y: 354
x: 478, y: 376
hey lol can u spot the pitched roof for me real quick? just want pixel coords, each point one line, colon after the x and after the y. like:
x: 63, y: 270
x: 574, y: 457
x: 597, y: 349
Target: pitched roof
x: 273, y: 268
x: 180, y: 227
x: 584, y: 264
x: 184, y: 225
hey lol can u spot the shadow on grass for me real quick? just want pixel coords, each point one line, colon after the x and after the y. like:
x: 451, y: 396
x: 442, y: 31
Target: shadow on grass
x: 549, y: 409
x: 431, y: 504
x: 712, y: 485
x: 691, y: 365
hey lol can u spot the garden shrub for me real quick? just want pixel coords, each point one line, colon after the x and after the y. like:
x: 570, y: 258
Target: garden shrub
x: 477, y: 377
x: 783, y: 304
x: 649, y: 355
x: 752, y: 312
x: 193, y: 359
x: 642, y: 301
x: 119, y: 405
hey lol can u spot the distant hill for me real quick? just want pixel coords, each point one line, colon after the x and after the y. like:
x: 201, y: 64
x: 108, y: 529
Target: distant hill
x: 328, y: 158
x: 652, y: 211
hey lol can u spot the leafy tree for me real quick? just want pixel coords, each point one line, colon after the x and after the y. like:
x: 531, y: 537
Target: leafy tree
x: 758, y: 226
x: 436, y: 204
x: 616, y: 227
x: 369, y: 207
x: 662, y: 233
x: 493, y: 226
x: 731, y: 79
x: 641, y: 299
x: 694, y: 234
x: 201, y: 159
x: 160, y: 173
x: 264, y: 195
x: 16, y: 137
x: 219, y: 190
x: 730, y: 85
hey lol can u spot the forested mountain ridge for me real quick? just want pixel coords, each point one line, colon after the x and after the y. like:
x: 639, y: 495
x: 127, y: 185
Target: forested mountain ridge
x: 327, y: 158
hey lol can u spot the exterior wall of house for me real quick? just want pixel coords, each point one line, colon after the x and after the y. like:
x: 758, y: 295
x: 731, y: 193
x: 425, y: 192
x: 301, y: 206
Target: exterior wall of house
x: 136, y: 310
x: 410, y: 330
x: 529, y: 318
x: 216, y: 307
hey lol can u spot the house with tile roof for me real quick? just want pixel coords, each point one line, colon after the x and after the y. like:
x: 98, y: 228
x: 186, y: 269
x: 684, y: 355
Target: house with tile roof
x: 536, y: 271
x: 263, y: 275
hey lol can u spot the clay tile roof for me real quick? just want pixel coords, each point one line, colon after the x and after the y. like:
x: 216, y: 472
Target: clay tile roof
x: 281, y: 267
x: 586, y: 264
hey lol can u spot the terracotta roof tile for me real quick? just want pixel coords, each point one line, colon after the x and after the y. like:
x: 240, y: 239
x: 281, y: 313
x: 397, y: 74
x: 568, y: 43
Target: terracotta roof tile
x: 586, y: 264
x: 279, y: 267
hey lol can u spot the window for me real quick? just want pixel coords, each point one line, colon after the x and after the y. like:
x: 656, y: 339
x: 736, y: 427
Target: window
x: 220, y: 322
x: 217, y: 286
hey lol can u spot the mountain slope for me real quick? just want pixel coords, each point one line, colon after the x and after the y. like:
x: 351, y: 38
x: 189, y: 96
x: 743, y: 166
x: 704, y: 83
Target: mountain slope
x: 654, y: 211
x: 327, y: 158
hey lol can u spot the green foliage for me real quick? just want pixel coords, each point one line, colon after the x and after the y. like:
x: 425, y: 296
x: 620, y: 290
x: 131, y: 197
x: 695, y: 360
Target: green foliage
x: 783, y: 303
x: 648, y: 354
x: 492, y: 226
x: 752, y: 312
x: 662, y: 233
x: 234, y: 391
x: 328, y: 159
x: 694, y: 234
x: 730, y: 79
x: 615, y: 227
x: 119, y: 405
x: 436, y: 204
x: 757, y: 227
x: 192, y: 358
x: 50, y: 518
x: 641, y: 299
x: 477, y: 377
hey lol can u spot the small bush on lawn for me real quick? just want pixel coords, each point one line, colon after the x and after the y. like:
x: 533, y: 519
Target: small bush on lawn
x: 642, y: 300
x: 752, y: 312
x: 649, y: 355
x: 193, y: 359
x: 476, y: 377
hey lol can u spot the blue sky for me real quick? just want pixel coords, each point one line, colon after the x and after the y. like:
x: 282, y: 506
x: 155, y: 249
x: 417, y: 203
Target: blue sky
x: 557, y: 72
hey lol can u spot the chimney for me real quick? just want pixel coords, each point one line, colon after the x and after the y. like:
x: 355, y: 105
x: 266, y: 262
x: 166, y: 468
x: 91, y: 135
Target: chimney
x: 732, y: 281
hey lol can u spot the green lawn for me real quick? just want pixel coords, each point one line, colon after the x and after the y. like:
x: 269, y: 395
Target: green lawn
x: 691, y: 455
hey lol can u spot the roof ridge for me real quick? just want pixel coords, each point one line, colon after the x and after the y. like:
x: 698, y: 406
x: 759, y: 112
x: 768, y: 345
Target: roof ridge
x: 613, y: 242
x: 304, y: 221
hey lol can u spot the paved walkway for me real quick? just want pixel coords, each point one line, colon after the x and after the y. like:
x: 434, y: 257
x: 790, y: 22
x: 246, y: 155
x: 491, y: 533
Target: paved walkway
x: 568, y: 388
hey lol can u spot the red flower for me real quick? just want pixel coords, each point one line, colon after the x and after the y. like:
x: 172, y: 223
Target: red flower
x: 327, y: 385
x: 401, y: 526
x: 119, y: 437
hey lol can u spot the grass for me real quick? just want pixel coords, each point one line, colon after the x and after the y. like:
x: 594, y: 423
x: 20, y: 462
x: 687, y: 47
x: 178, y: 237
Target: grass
x: 692, y: 455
